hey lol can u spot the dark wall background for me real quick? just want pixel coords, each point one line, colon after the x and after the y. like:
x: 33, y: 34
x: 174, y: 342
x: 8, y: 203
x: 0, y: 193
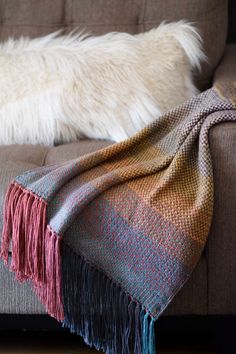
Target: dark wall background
x: 232, y: 21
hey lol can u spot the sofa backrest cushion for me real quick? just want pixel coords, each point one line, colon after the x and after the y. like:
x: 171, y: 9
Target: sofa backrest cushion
x: 38, y: 17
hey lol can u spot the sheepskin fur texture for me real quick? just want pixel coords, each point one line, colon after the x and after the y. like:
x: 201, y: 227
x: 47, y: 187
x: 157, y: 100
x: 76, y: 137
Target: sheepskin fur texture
x: 58, y: 89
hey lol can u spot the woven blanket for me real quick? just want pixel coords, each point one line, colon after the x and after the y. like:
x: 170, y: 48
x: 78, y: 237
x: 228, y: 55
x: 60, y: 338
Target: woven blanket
x: 108, y: 239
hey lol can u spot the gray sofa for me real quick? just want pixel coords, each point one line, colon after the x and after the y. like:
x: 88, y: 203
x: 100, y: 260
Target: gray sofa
x: 212, y: 287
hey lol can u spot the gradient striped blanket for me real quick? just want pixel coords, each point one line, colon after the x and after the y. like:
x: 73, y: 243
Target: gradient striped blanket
x: 108, y: 239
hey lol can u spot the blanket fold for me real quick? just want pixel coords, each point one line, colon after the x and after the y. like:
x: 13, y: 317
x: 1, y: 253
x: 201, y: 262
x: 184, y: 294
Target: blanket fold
x: 109, y: 239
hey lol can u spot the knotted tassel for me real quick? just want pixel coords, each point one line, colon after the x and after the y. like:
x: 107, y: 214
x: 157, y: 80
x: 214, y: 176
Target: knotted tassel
x: 36, y: 249
x: 152, y: 342
x: 100, y: 311
x: 145, y: 334
x: 9, y: 205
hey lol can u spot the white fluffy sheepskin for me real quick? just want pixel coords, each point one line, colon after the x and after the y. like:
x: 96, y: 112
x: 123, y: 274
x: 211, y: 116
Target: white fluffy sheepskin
x: 61, y: 88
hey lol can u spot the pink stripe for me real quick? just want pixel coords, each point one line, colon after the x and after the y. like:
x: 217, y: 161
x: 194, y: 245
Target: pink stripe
x: 36, y: 249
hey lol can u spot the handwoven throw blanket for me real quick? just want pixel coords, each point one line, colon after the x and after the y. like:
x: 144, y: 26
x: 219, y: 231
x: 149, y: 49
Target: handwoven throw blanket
x: 109, y: 239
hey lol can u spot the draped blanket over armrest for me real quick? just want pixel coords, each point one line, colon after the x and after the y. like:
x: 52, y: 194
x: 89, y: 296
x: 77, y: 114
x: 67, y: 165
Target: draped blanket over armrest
x: 108, y: 239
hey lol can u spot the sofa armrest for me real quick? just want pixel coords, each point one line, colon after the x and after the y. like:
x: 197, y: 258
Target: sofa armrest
x: 226, y: 70
x: 221, y: 248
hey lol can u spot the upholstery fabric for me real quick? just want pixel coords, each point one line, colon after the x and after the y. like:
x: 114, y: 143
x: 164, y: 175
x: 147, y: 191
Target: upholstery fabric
x: 226, y: 71
x: 222, y: 241
x: 17, y: 298
x: 35, y: 18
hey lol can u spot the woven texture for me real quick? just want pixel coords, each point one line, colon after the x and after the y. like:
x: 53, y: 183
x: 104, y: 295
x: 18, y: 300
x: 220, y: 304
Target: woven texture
x: 134, y: 216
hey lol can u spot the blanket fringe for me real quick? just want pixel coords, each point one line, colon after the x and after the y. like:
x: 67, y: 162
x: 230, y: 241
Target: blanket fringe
x: 35, y: 248
x: 71, y: 289
x: 98, y: 310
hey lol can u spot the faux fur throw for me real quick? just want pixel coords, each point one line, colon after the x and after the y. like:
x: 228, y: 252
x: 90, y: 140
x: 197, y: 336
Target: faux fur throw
x: 58, y: 89
x: 108, y: 239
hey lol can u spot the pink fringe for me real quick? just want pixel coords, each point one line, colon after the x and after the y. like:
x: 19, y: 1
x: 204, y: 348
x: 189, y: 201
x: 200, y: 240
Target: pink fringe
x: 36, y: 249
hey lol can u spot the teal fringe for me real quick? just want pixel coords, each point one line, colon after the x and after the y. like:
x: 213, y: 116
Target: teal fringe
x: 98, y: 310
x: 152, y: 341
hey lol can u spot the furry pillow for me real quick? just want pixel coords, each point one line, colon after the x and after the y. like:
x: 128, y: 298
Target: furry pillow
x: 61, y: 88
